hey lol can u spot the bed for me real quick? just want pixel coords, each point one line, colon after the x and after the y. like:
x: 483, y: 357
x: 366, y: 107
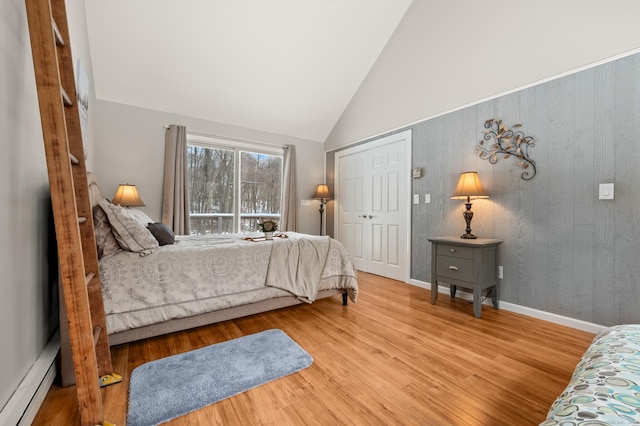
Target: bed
x: 604, y: 387
x: 154, y: 282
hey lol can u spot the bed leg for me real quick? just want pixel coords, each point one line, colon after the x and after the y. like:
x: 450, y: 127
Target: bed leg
x: 345, y: 299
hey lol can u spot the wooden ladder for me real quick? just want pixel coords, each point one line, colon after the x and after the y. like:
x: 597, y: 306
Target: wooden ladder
x: 72, y: 213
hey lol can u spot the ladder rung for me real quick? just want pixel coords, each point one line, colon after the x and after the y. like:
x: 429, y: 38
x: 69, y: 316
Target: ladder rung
x: 96, y: 334
x: 89, y: 278
x: 67, y: 100
x: 56, y: 32
x: 74, y: 159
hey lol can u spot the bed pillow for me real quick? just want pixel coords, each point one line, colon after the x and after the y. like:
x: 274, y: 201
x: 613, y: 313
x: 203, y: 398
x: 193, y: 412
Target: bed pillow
x: 162, y: 233
x: 142, y: 218
x: 131, y: 235
x: 106, y: 242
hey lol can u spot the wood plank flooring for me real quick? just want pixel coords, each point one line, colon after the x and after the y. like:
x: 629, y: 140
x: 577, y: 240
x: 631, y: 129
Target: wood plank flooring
x: 390, y: 359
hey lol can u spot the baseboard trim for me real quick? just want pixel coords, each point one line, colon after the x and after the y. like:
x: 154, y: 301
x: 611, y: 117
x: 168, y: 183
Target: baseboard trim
x: 25, y: 402
x: 524, y: 310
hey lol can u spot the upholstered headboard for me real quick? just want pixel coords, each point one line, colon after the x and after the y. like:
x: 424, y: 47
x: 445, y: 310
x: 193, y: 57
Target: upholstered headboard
x: 95, y: 192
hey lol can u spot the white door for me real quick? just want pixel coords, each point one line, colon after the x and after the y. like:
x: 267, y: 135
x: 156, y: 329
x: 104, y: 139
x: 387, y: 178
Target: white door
x: 372, y: 184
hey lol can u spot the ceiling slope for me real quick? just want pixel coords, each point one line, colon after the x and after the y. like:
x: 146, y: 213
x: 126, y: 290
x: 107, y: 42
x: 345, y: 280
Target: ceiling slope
x: 283, y: 66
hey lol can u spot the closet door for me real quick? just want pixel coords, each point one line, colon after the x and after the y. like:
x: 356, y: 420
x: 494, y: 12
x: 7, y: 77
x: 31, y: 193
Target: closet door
x: 350, y: 194
x: 386, y: 217
x: 372, y: 184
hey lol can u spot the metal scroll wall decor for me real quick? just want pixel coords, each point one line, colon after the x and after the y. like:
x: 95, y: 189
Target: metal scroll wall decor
x: 507, y: 143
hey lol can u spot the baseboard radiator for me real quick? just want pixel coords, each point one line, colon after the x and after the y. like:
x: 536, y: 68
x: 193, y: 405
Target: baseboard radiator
x: 25, y: 402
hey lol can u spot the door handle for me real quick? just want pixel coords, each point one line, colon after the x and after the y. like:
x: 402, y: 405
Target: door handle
x: 453, y: 268
x: 371, y: 216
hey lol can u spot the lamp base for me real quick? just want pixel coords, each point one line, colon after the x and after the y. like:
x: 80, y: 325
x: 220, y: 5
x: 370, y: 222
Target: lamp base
x: 321, y: 211
x: 468, y: 215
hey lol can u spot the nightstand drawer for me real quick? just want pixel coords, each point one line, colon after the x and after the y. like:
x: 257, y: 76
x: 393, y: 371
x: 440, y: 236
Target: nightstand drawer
x: 455, y: 251
x: 455, y: 268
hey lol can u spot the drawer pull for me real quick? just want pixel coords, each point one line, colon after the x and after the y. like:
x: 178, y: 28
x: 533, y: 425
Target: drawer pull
x: 453, y: 250
x: 453, y: 268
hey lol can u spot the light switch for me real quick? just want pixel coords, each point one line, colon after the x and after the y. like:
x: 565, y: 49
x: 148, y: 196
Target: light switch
x: 427, y: 198
x: 605, y: 191
x: 416, y: 198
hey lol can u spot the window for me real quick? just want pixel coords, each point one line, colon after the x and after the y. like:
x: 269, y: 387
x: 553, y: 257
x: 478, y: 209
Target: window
x: 232, y: 188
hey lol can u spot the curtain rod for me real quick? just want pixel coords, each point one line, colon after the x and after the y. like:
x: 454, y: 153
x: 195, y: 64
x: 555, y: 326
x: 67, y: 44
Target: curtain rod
x: 230, y: 138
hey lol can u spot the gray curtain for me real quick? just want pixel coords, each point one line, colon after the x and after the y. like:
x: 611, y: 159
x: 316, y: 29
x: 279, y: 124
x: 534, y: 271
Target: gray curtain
x: 175, y: 193
x: 289, y: 205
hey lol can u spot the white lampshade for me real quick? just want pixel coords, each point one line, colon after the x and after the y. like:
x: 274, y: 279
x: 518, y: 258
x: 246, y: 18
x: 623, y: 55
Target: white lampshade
x: 322, y: 192
x: 127, y: 196
x: 469, y: 187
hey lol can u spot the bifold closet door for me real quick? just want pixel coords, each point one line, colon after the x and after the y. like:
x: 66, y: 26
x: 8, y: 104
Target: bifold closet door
x: 372, y: 198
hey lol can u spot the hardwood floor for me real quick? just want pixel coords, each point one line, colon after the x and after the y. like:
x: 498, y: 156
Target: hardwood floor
x: 392, y: 358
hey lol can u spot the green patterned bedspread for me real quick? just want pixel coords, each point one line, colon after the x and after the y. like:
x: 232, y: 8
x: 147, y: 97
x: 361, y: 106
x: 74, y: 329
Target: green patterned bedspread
x: 605, y: 386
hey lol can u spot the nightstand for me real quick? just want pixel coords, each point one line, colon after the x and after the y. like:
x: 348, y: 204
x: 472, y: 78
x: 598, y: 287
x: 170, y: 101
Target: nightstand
x: 470, y: 264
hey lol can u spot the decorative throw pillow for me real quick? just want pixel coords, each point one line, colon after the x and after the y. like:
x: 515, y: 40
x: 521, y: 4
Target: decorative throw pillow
x: 131, y: 235
x: 162, y: 233
x: 105, y: 240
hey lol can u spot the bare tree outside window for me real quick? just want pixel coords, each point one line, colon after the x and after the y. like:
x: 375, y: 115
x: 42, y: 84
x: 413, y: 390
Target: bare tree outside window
x: 212, y: 185
x: 261, y: 189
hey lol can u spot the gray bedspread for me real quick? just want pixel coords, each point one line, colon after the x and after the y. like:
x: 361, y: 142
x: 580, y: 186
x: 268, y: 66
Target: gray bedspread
x: 203, y: 274
x: 300, y: 265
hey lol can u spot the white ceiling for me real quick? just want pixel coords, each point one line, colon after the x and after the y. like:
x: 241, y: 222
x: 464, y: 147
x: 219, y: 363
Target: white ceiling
x: 282, y: 66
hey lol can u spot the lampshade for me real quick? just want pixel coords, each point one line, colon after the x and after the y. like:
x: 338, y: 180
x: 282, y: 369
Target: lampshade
x: 127, y: 196
x: 322, y: 192
x: 469, y: 186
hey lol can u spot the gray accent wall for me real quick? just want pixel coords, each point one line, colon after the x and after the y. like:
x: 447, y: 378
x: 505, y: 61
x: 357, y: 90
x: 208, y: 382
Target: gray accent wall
x: 565, y: 251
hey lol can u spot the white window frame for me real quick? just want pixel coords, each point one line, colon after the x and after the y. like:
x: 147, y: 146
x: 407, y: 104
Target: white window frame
x: 237, y: 146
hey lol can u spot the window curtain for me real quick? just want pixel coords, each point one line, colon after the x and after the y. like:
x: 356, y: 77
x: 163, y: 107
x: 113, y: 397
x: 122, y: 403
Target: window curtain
x: 289, y: 204
x: 175, y: 193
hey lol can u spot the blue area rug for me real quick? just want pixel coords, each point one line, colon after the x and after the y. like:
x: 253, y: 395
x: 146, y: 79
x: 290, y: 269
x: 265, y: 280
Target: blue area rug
x: 167, y: 388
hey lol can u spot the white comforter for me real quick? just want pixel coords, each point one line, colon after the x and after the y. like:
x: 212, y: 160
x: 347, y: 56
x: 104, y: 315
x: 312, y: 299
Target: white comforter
x: 202, y: 274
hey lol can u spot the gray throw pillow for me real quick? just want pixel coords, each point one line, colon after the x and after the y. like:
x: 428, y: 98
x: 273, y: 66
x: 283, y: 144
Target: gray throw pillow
x: 162, y: 233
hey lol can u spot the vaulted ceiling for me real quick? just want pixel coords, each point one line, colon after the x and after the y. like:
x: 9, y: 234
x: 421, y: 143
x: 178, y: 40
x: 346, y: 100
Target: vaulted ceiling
x: 282, y: 66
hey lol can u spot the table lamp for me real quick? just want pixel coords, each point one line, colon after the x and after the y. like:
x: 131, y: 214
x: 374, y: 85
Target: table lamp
x: 469, y: 187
